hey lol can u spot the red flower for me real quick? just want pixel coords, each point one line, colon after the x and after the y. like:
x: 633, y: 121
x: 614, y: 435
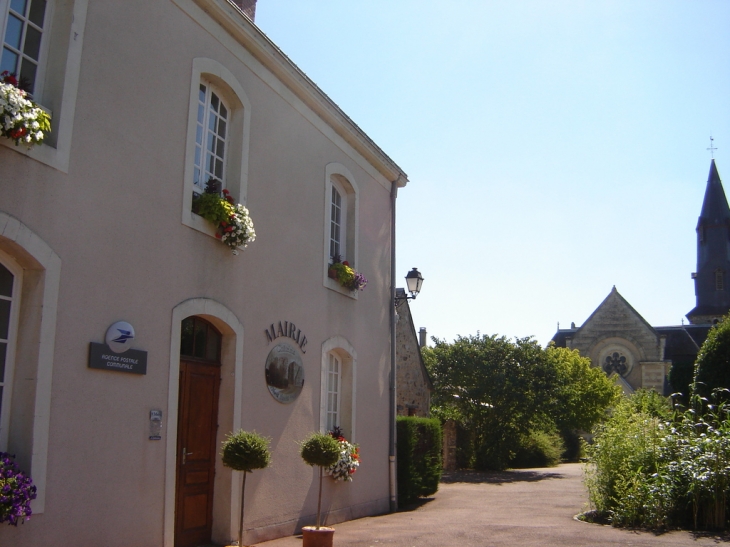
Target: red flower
x: 345, y: 263
x: 217, y: 235
x: 9, y: 78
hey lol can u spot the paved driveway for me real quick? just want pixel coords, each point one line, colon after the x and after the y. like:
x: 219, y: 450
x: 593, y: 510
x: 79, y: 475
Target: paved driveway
x: 533, y: 507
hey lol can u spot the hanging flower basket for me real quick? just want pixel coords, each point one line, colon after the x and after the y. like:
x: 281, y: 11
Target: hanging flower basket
x: 349, y: 461
x: 16, y: 492
x: 232, y: 220
x: 345, y: 275
x: 21, y: 120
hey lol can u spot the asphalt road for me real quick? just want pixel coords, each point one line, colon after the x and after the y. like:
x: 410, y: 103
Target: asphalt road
x: 531, y: 507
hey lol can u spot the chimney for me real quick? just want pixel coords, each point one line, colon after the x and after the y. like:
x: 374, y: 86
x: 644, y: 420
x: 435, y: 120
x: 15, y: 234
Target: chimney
x: 248, y: 7
x: 422, y: 337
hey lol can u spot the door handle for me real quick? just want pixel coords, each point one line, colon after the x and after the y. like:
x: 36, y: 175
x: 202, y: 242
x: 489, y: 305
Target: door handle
x: 185, y: 455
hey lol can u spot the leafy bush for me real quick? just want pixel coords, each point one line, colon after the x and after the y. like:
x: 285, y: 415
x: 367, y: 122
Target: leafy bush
x: 653, y: 470
x: 539, y: 449
x: 419, y: 457
x: 712, y: 368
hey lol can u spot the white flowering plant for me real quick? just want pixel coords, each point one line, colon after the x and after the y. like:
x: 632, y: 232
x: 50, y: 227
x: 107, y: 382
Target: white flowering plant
x: 21, y: 120
x: 232, y: 220
x: 349, y: 460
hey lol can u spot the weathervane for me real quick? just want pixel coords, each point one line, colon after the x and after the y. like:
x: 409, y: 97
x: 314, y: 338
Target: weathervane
x: 712, y: 148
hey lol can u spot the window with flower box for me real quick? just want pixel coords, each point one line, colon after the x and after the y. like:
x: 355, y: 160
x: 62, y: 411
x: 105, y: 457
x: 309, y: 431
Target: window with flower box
x: 341, y: 222
x: 41, y: 41
x: 218, y: 138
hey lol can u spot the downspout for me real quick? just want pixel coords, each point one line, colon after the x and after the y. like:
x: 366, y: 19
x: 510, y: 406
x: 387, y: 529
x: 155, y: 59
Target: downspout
x: 393, y: 316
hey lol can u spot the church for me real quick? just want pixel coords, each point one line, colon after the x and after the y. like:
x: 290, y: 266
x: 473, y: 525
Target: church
x: 620, y: 341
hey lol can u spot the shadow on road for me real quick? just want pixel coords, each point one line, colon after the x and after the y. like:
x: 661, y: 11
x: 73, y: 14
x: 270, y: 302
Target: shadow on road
x: 498, y: 477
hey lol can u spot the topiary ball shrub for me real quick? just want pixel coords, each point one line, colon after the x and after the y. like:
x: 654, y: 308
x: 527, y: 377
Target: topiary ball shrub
x: 246, y: 451
x: 320, y: 449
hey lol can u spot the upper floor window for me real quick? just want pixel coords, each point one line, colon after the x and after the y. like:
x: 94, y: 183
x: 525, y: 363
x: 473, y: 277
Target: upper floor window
x: 219, y: 121
x: 338, y: 223
x: 341, y: 221
x: 210, y: 138
x: 22, y: 41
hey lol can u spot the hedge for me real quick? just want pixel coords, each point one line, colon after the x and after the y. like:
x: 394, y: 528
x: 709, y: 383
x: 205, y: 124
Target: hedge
x: 419, y: 457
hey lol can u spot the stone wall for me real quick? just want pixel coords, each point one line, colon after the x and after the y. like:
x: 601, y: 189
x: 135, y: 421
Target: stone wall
x: 413, y: 390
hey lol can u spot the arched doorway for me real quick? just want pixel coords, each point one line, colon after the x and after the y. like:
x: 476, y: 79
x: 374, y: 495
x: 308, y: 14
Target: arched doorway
x: 197, y: 424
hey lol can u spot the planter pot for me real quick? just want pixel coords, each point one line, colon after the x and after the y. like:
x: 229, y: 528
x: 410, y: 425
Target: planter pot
x: 332, y: 273
x: 317, y: 538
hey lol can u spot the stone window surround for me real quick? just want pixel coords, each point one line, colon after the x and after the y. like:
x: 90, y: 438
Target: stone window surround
x: 64, y: 35
x: 36, y: 341
x: 239, y: 128
x: 343, y: 179
x: 348, y: 383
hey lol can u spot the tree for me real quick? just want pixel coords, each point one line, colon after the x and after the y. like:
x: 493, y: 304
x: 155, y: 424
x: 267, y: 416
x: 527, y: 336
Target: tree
x: 583, y: 392
x: 497, y: 389
x: 712, y: 368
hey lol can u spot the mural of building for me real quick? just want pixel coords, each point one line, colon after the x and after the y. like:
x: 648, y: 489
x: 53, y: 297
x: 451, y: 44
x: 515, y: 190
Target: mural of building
x: 97, y: 226
x: 616, y: 338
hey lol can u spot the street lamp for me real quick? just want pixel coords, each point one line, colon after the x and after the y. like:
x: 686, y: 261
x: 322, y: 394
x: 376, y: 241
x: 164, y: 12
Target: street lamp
x: 414, y: 280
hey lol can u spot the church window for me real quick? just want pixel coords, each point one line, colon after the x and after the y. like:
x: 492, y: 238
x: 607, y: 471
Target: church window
x: 719, y: 280
x: 615, y: 362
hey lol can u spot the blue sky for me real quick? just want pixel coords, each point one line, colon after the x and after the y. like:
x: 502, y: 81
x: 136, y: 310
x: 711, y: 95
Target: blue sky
x: 554, y: 148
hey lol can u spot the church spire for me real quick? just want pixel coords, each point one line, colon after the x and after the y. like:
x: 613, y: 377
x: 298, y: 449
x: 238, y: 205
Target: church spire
x: 713, y: 252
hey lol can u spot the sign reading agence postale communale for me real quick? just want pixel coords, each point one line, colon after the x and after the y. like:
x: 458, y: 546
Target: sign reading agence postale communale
x: 132, y: 360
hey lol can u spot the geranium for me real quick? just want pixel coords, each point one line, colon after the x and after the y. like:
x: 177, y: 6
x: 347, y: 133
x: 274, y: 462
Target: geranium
x: 346, y: 275
x: 349, y: 459
x: 16, y: 491
x: 232, y: 220
x: 20, y: 118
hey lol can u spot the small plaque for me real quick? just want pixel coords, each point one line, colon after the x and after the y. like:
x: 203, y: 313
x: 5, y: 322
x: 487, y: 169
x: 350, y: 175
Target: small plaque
x: 102, y: 357
x: 284, y: 373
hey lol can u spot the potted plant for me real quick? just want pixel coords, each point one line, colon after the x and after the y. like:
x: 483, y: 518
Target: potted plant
x: 232, y: 220
x: 322, y: 450
x: 21, y: 120
x: 16, y: 491
x: 345, y: 275
x: 349, y: 459
x: 245, y: 451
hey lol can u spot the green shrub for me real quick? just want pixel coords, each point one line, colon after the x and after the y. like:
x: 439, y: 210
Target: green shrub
x: 713, y: 362
x: 539, y: 449
x: 246, y: 451
x: 419, y: 457
x: 320, y: 449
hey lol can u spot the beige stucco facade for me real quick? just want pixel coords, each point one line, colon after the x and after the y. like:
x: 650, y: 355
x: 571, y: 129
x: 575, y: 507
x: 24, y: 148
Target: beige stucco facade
x: 92, y: 223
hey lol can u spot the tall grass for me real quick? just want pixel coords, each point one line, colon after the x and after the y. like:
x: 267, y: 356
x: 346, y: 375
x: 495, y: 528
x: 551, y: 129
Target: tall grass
x: 654, y: 468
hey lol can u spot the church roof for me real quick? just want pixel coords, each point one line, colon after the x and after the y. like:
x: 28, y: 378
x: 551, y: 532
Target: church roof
x: 715, y: 209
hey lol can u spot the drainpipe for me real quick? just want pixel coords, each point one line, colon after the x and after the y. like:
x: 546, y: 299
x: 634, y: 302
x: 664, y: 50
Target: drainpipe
x: 393, y: 315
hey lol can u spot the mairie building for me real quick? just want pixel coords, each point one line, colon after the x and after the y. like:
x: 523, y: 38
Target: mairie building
x: 132, y: 339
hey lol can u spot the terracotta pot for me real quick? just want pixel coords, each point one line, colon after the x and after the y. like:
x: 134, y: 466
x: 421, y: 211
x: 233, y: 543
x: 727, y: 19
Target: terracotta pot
x: 317, y: 538
x: 332, y: 273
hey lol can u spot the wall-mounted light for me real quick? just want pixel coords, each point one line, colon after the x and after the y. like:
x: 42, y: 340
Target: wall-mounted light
x: 414, y: 280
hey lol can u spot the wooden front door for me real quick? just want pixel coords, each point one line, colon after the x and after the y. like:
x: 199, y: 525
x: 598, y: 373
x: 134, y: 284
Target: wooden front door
x: 196, y: 452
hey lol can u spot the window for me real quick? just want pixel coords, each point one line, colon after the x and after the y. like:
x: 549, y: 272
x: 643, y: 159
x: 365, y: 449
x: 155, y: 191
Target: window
x: 10, y: 282
x: 218, y: 137
x: 338, y: 383
x: 341, y: 221
x: 719, y: 280
x: 200, y: 340
x: 210, y: 138
x: 42, y: 42
x: 334, y: 394
x: 23, y: 40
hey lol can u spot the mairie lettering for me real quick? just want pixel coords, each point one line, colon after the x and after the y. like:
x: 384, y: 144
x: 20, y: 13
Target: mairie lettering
x: 286, y: 329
